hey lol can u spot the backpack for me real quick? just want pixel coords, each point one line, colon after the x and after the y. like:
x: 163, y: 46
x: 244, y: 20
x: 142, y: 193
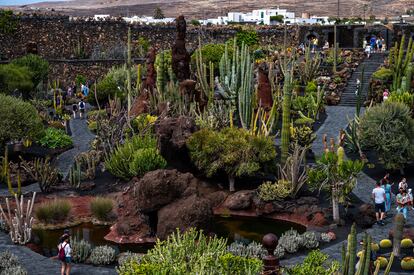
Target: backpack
x: 62, y: 254
x: 82, y: 105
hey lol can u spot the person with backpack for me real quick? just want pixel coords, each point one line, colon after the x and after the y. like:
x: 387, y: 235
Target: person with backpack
x: 64, y: 255
x: 82, y: 106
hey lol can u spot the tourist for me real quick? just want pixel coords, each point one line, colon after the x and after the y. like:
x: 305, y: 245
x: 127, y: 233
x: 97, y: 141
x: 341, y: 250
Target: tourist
x: 378, y: 195
x: 364, y: 44
x: 314, y: 44
x: 385, y: 95
x: 410, y: 196
x: 387, y: 188
x: 403, y: 201
x: 373, y: 44
x: 379, y: 44
x: 383, y: 45
x: 64, y: 254
x: 82, y: 107
x: 325, y: 46
x: 368, y: 50
x: 403, y: 184
x: 74, y: 110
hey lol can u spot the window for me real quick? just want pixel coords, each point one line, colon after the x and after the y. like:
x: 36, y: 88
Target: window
x: 262, y: 14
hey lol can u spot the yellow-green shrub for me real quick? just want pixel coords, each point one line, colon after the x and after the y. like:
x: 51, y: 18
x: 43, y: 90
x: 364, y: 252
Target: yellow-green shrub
x: 101, y: 208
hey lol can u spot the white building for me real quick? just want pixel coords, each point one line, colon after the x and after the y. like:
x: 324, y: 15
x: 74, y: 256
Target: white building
x: 148, y: 20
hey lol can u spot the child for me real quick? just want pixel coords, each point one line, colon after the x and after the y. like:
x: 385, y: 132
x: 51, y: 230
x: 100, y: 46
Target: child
x: 81, y: 108
x: 65, y: 252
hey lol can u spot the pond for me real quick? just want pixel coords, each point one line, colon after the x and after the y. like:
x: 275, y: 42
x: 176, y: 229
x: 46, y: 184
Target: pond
x: 233, y: 228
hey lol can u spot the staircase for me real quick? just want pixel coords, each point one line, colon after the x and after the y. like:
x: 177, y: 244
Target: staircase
x: 370, y: 65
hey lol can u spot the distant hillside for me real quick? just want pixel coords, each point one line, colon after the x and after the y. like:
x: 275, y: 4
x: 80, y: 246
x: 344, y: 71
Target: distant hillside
x: 214, y: 8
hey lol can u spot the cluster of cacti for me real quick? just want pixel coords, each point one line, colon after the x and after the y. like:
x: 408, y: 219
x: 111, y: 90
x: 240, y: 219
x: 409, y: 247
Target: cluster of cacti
x: 303, y: 135
x: 407, y: 263
x: 406, y: 243
x: 43, y: 172
x: 399, y: 222
x: 399, y: 60
x: 81, y: 250
x: 229, y: 68
x: 291, y: 241
x: 309, y: 67
x: 88, y: 162
x: 349, y: 256
x: 102, y: 255
x: 20, y: 220
x: 252, y: 250
x: 205, y: 79
x: 75, y: 175
x: 245, y: 94
x: 269, y: 191
x: 9, y: 264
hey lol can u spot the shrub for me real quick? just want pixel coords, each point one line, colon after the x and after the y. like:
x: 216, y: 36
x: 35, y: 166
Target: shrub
x: 8, y: 259
x: 232, y: 150
x: 269, y: 191
x: 101, y: 208
x: 291, y: 241
x: 80, y: 250
x: 130, y: 159
x: 53, y: 211
x: 389, y: 129
x: 403, y: 97
x: 252, y: 250
x: 213, y: 53
x: 13, y: 77
x: 105, y: 89
x: 55, y: 138
x: 191, y: 253
x: 18, y: 120
x: 42, y: 171
x: 382, y: 74
x: 37, y: 66
x: 92, y: 126
x: 316, y: 263
x: 129, y: 256
x: 385, y: 243
x: 311, y: 87
x: 56, y: 125
x: 102, y: 255
x: 14, y: 270
x: 248, y: 37
x: 97, y: 114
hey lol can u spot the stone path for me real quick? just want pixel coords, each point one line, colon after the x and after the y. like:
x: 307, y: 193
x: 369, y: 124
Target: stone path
x: 37, y: 264
x: 81, y: 137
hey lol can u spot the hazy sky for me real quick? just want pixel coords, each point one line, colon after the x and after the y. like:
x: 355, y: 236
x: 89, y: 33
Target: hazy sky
x: 23, y: 2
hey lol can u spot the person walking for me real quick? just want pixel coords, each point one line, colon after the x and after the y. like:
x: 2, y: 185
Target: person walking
x: 74, y: 110
x: 387, y: 188
x: 65, y: 252
x: 82, y: 107
x: 403, y: 201
x: 378, y: 195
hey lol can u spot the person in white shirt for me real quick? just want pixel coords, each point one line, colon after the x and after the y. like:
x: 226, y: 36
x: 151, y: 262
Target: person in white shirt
x: 403, y: 184
x: 378, y: 195
x: 65, y: 245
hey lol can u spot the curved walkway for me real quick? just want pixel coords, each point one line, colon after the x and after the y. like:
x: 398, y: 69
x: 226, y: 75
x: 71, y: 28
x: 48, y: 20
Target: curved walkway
x: 338, y: 117
x: 82, y: 138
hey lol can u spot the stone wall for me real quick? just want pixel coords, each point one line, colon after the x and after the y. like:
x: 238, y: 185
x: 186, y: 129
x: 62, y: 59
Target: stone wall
x: 58, y: 37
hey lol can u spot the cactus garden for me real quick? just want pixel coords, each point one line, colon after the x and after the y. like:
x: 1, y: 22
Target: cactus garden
x: 182, y: 160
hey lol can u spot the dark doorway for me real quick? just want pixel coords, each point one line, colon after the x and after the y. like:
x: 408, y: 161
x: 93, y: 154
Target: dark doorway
x: 331, y: 38
x: 346, y: 37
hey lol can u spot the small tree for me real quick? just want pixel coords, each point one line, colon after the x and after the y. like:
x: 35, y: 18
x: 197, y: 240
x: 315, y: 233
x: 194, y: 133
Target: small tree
x: 335, y: 175
x: 37, y: 66
x: 232, y: 150
x: 158, y: 13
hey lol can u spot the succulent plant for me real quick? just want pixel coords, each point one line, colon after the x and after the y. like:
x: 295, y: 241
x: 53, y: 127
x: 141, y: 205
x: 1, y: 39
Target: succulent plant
x: 407, y: 263
x: 80, y: 250
x: 129, y: 256
x: 406, y: 243
x: 102, y: 255
x: 383, y: 262
x: 279, y: 252
x: 310, y: 240
x: 8, y: 259
x: 375, y: 247
x: 252, y: 250
x: 14, y: 270
x: 326, y: 238
x: 290, y: 241
x: 386, y: 243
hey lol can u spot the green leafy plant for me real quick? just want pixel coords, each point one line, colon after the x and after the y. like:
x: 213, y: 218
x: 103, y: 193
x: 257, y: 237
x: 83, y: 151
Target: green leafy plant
x: 191, y: 253
x: 135, y: 157
x: 15, y: 78
x: 404, y: 97
x: 101, y: 207
x: 55, y: 138
x: 18, y: 120
x: 211, y: 53
x: 8, y: 22
x: 53, y: 211
x: 382, y: 73
x: 388, y: 130
x: 269, y: 191
x: 247, y: 37
x: 232, y: 150
x: 316, y: 263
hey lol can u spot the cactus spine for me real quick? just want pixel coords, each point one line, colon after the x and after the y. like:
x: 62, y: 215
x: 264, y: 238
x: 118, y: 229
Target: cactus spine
x: 398, y: 233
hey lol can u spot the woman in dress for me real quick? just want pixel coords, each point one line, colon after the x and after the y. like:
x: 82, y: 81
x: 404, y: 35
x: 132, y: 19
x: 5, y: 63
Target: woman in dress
x: 387, y: 188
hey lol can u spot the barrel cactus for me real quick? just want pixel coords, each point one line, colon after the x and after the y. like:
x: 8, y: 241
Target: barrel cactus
x: 407, y: 263
x: 382, y: 261
x: 386, y: 243
x: 375, y: 247
x: 406, y: 243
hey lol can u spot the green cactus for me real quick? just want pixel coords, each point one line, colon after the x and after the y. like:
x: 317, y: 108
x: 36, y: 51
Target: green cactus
x: 19, y: 184
x: 398, y: 233
x: 351, y: 250
x: 388, y: 269
x: 409, y: 76
x: 161, y: 79
x: 287, y: 96
x: 75, y: 175
x: 401, y: 63
x: 245, y: 93
x: 139, y: 79
x: 367, y: 249
x: 129, y: 64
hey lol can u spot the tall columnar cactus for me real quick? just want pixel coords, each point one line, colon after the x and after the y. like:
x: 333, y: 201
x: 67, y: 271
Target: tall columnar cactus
x: 229, y: 69
x: 352, y: 250
x: 388, y: 269
x: 400, y: 63
x: 244, y: 97
x: 409, y: 76
x: 129, y: 65
x: 367, y: 250
x: 398, y: 233
x: 206, y: 80
x: 287, y: 96
x: 139, y: 80
x: 161, y: 81
x: 75, y: 175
